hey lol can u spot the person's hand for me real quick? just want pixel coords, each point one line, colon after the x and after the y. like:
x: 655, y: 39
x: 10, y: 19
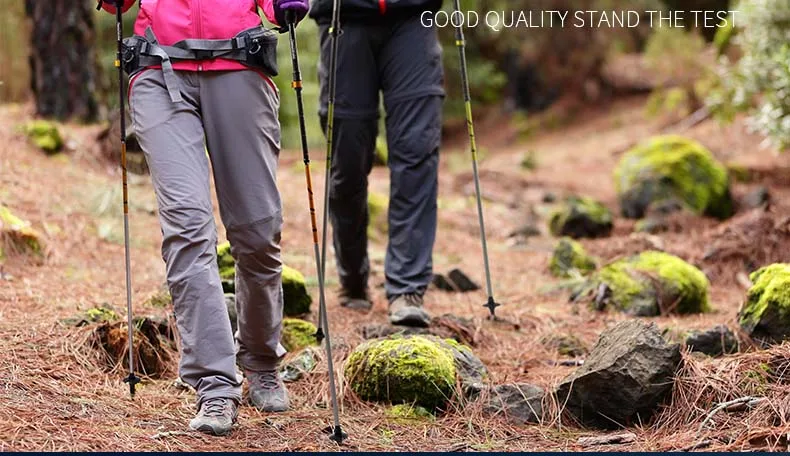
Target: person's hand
x: 294, y: 10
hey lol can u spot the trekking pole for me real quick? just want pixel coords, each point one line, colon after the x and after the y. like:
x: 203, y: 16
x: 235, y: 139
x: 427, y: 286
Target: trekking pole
x: 337, y: 433
x: 334, y: 32
x: 132, y: 379
x: 459, y: 41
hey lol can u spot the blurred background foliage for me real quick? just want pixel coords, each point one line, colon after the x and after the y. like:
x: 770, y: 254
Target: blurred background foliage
x: 527, y: 70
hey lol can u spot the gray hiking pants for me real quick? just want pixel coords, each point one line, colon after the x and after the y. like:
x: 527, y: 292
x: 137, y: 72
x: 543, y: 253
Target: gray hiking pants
x: 403, y: 60
x: 237, y: 113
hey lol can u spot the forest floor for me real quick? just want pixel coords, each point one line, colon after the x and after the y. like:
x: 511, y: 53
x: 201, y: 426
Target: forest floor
x: 54, y: 397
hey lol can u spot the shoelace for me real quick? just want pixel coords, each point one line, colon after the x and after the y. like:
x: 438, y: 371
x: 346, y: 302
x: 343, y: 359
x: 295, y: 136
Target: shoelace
x: 215, y: 407
x: 412, y: 300
x: 267, y: 379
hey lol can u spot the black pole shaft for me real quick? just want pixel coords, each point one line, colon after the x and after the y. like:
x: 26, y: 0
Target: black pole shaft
x: 491, y: 304
x: 337, y: 433
x: 132, y: 379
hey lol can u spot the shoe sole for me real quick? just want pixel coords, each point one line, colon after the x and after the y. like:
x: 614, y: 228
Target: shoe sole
x: 206, y: 429
x: 413, y: 320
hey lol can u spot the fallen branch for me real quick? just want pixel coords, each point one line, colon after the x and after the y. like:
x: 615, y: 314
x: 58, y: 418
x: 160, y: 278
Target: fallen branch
x: 734, y: 405
x: 625, y: 437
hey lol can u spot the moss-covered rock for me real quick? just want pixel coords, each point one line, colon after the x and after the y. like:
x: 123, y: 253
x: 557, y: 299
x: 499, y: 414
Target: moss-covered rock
x: 225, y: 261
x: 581, y: 217
x: 18, y: 237
x: 298, y: 334
x: 45, y: 135
x: 652, y: 283
x: 296, y: 299
x: 377, y: 214
x: 672, y: 167
x: 408, y: 412
x: 295, y: 296
x: 402, y: 370
x: 468, y: 367
x: 382, y: 153
x: 766, y: 314
x: 570, y: 259
x: 101, y: 314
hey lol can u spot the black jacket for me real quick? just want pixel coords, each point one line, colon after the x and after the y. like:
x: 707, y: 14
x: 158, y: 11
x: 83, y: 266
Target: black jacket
x: 371, y: 10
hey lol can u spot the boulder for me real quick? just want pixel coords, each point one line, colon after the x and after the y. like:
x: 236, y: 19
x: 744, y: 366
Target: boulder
x: 581, y: 217
x: 569, y: 259
x: 398, y: 370
x: 564, y: 344
x: 713, y: 342
x: 626, y: 376
x: 520, y: 403
x: 377, y: 214
x: 298, y: 334
x: 45, y: 135
x: 766, y: 314
x: 296, y: 299
x: 672, y: 167
x: 651, y: 283
x: 18, y: 237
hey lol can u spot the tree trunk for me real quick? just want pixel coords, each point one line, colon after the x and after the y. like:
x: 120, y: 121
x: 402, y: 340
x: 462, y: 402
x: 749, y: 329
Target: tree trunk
x: 62, y: 60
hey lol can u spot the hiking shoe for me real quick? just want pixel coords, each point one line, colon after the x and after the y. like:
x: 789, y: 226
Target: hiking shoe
x: 406, y: 310
x: 355, y: 301
x: 216, y: 416
x: 267, y: 391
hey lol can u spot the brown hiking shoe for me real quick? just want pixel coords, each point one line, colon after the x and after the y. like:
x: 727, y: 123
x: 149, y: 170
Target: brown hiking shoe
x: 216, y: 416
x: 267, y: 391
x: 406, y: 310
x: 355, y: 301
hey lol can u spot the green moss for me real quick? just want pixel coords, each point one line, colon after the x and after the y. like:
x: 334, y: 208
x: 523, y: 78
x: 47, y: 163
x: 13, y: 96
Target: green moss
x: 382, y: 153
x: 724, y: 35
x: 45, y: 135
x: 407, y: 412
x: 672, y: 167
x: 398, y: 370
x: 297, y: 334
x: 101, y: 314
x: 740, y: 173
x: 225, y: 261
x: 564, y: 344
x: 17, y: 235
x: 581, y: 217
x: 646, y: 283
x: 377, y: 214
x: 570, y: 259
x: 766, y: 313
x: 295, y: 296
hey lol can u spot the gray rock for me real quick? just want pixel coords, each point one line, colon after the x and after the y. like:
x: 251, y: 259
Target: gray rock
x: 756, y: 198
x: 564, y: 344
x: 468, y: 366
x: 440, y: 281
x: 461, y: 281
x: 230, y: 303
x: 713, y: 342
x: 520, y: 403
x: 624, y: 379
x: 302, y: 363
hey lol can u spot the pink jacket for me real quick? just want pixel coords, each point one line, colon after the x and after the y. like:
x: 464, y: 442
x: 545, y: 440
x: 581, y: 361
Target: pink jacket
x: 176, y: 20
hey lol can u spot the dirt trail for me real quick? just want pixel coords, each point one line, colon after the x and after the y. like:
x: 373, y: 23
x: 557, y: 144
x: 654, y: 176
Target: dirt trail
x: 55, y: 399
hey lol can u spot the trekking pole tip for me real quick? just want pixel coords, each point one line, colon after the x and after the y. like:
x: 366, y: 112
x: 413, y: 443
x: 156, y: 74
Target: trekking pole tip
x: 491, y: 305
x: 319, y: 335
x: 338, y: 435
x: 132, y: 380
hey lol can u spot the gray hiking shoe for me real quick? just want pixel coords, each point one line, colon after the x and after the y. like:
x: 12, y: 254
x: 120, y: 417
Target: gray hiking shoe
x: 406, y: 310
x: 216, y: 416
x: 355, y: 301
x: 267, y: 391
